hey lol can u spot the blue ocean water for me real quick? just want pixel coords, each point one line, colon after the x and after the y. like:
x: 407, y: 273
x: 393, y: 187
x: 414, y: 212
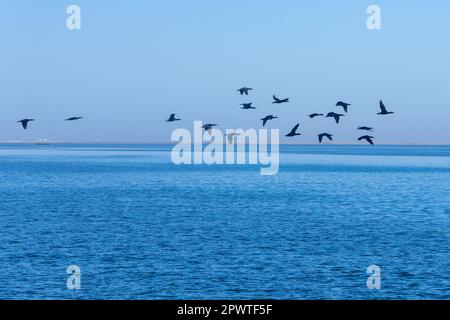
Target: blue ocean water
x: 140, y: 227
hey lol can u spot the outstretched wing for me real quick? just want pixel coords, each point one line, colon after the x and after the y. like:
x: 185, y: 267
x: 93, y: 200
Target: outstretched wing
x: 369, y: 139
x: 320, y: 138
x: 295, y: 128
x: 276, y: 99
x: 24, y: 124
x: 337, y: 118
x: 382, y: 106
x: 264, y: 121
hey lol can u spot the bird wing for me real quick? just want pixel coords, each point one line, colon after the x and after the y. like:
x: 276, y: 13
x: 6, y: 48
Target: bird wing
x: 295, y: 128
x: 382, y: 106
x: 320, y: 138
x: 369, y: 140
x: 336, y: 117
x: 264, y: 121
x: 345, y: 107
x: 24, y: 124
x: 276, y: 99
x: 230, y: 138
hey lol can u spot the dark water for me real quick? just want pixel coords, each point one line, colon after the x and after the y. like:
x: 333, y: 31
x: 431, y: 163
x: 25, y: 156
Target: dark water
x: 140, y: 227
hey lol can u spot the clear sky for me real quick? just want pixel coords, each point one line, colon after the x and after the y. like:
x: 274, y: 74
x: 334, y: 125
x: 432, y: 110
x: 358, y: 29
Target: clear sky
x: 135, y: 62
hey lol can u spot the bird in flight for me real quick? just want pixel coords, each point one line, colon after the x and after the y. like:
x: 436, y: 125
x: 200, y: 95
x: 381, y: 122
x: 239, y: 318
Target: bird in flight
x: 230, y: 136
x: 244, y: 90
x: 366, y: 128
x: 383, y: 109
x: 247, y: 106
x: 278, y: 101
x: 267, y: 118
x: 336, y: 116
x: 172, y: 118
x: 367, y: 138
x: 293, y: 131
x: 327, y: 135
x: 73, y: 118
x: 24, y: 122
x: 209, y: 126
x: 313, y: 115
x: 343, y: 105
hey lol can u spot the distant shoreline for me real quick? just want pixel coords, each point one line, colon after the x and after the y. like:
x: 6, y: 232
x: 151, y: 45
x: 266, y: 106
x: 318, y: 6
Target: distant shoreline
x: 173, y: 143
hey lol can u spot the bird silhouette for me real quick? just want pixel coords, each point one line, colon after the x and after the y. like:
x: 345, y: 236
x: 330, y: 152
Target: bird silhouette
x: 278, y: 101
x: 327, y: 135
x: 334, y: 115
x: 247, y: 106
x: 24, y: 122
x: 209, y: 126
x: 172, y: 118
x: 313, y: 115
x: 244, y: 90
x: 267, y: 118
x: 365, y: 128
x: 383, y: 109
x: 73, y: 118
x: 293, y: 131
x: 230, y: 136
x: 367, y: 138
x: 343, y: 105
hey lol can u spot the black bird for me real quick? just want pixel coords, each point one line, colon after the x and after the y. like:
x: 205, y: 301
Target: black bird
x: 230, y: 136
x: 267, y: 118
x: 25, y: 122
x: 244, y: 90
x: 172, y: 118
x: 209, y: 126
x: 336, y: 116
x: 313, y: 115
x: 383, y: 109
x: 247, y: 106
x: 278, y: 101
x: 343, y: 105
x: 329, y: 136
x: 73, y: 118
x: 293, y: 131
x: 367, y: 138
x: 366, y: 128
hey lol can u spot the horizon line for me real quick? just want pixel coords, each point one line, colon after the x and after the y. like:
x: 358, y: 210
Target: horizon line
x: 134, y: 142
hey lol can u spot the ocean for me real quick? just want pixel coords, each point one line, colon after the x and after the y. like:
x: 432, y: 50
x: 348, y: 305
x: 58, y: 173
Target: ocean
x: 140, y: 227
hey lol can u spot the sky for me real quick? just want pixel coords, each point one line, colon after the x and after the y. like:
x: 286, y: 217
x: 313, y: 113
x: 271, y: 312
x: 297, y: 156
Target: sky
x: 133, y: 63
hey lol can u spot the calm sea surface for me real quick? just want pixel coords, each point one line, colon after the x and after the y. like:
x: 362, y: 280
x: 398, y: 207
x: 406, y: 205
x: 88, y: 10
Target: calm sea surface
x: 140, y: 227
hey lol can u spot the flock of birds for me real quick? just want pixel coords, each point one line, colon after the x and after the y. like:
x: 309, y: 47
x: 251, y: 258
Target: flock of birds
x: 336, y: 116
x: 25, y: 122
x: 246, y: 106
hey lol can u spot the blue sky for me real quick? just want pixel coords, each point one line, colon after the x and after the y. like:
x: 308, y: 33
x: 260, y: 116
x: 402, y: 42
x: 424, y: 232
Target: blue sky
x: 135, y: 62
